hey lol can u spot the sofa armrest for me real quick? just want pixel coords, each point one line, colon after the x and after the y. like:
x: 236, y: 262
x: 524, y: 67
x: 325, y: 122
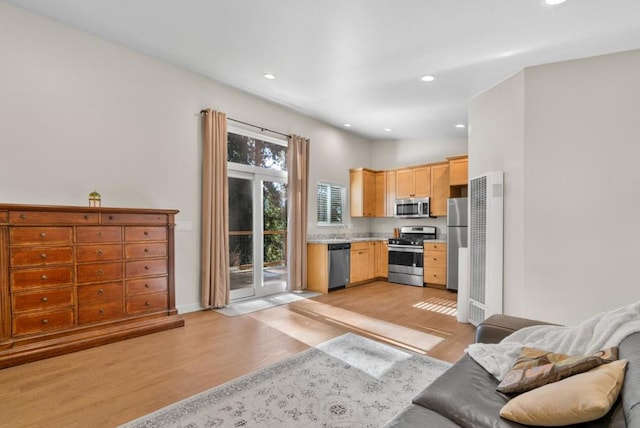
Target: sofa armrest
x: 497, y: 327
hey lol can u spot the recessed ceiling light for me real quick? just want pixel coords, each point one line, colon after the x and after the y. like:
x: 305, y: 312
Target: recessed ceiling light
x: 554, y: 2
x: 461, y: 125
x: 388, y: 129
x: 427, y: 78
x: 347, y: 125
x: 269, y: 76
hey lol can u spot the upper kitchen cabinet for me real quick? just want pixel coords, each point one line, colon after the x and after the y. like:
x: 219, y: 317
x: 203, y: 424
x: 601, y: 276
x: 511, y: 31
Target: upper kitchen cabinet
x: 458, y: 166
x: 413, y: 182
x: 458, y: 176
x: 439, y: 189
x: 380, y: 206
x: 363, y: 192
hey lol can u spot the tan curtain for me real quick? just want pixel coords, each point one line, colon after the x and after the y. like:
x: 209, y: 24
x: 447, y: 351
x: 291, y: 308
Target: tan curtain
x: 215, y: 211
x: 298, y: 167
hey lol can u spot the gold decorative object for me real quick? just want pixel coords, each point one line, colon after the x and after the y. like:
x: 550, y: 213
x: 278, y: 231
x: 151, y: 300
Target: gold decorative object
x: 95, y: 200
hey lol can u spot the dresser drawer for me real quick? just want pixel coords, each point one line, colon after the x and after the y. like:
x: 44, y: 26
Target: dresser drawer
x: 435, y: 259
x: 95, y: 234
x: 435, y: 246
x: 146, y: 268
x: 134, y: 218
x: 45, y: 217
x: 99, y: 252
x: 145, y: 234
x: 147, y: 303
x: 42, y: 321
x: 107, y: 311
x: 138, y: 251
x: 35, y: 278
x: 96, y: 272
x: 435, y: 275
x: 100, y: 293
x: 40, y: 235
x: 147, y: 285
x: 42, y: 300
x: 41, y: 256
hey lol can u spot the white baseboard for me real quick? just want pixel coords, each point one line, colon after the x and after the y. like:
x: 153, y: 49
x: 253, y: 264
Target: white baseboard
x: 185, y: 309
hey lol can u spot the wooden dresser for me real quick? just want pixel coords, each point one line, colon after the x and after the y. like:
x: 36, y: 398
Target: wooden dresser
x: 77, y: 277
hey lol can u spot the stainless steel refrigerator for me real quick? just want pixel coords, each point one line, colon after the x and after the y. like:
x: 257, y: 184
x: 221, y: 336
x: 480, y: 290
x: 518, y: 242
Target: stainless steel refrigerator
x: 456, y: 237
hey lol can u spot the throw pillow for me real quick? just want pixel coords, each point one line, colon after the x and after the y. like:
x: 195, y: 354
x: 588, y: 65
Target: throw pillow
x: 576, y: 399
x: 535, y: 368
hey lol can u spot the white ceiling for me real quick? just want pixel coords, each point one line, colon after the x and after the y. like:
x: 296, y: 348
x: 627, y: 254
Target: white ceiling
x: 360, y: 61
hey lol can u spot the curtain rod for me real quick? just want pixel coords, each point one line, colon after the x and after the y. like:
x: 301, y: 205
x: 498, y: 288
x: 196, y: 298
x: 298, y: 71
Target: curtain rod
x: 254, y: 126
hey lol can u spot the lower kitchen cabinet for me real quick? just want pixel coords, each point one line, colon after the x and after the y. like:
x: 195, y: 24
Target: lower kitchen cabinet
x: 362, y: 261
x: 435, y: 263
x: 381, y: 264
x: 318, y: 268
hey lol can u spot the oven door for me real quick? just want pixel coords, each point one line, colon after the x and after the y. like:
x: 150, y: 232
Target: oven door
x: 406, y: 259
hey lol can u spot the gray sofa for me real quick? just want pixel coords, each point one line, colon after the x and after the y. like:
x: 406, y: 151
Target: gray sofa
x: 465, y: 395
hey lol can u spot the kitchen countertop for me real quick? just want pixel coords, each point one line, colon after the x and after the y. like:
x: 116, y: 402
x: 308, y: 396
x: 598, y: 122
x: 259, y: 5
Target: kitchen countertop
x: 369, y: 239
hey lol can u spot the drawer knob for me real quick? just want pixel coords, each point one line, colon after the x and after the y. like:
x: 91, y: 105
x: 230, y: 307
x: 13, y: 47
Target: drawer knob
x: 86, y: 217
x: 146, y: 233
x: 43, y: 235
x: 146, y: 250
x: 146, y: 268
x: 99, y: 234
x: 44, y: 299
x: 110, y: 217
x: 147, y: 303
x: 43, y: 277
x: 146, y: 285
x: 23, y: 216
x: 45, y: 321
x: 43, y: 256
x: 100, y: 272
x: 101, y: 311
x: 101, y: 291
x: 100, y: 253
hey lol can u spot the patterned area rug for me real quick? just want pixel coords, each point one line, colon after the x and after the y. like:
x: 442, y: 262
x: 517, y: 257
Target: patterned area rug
x: 243, y: 307
x: 349, y: 381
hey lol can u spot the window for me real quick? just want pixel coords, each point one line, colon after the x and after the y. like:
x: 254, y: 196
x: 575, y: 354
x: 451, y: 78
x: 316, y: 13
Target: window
x: 330, y: 204
x: 261, y: 153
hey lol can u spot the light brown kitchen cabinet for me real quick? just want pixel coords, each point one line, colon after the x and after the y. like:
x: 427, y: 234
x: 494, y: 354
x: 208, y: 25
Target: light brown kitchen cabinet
x: 362, y: 192
x: 362, y: 262
x: 318, y: 267
x: 380, y: 209
x: 439, y: 189
x: 77, y: 277
x: 458, y: 170
x: 413, y: 182
x: 391, y: 193
x: 435, y: 263
x: 381, y: 264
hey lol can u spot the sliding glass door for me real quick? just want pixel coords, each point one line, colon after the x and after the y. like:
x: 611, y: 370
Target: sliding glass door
x: 257, y: 214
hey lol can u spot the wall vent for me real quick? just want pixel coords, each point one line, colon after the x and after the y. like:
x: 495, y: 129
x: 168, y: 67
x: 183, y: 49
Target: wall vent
x: 485, y: 246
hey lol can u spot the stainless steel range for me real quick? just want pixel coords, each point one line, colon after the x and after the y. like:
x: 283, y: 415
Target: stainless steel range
x: 406, y: 255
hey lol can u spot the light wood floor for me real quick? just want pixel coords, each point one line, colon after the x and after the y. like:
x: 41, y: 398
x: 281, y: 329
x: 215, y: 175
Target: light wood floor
x: 112, y: 384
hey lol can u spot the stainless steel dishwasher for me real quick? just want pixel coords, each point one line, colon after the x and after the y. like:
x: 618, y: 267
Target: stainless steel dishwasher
x: 339, y: 264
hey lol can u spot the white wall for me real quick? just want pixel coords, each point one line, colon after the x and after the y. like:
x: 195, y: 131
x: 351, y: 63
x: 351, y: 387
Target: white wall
x: 78, y: 113
x: 579, y: 180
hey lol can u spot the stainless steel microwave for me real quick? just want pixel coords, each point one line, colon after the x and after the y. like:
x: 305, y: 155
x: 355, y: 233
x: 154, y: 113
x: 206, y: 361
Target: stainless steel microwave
x: 412, y: 208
